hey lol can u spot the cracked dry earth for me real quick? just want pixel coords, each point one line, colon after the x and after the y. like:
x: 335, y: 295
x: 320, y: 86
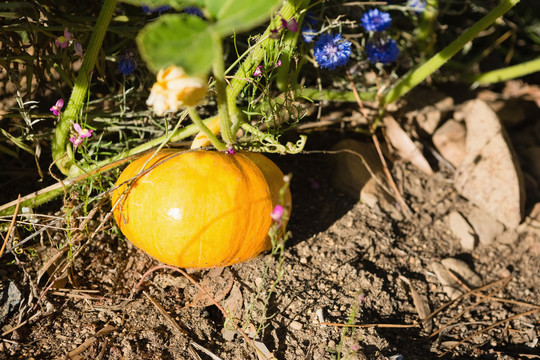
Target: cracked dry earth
x: 346, y: 263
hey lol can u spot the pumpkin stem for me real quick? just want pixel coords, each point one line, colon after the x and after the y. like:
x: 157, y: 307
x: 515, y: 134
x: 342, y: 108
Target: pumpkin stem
x: 221, y: 88
x: 206, y: 131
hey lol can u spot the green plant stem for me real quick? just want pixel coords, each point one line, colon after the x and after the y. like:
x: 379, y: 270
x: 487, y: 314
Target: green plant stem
x: 288, y: 47
x: 507, y: 73
x: 419, y: 74
x: 244, y: 73
x: 334, y: 95
x: 206, y: 131
x: 225, y: 123
x: 425, y: 37
x: 80, y: 88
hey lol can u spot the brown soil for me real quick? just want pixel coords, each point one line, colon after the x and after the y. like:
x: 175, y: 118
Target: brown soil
x: 345, y: 263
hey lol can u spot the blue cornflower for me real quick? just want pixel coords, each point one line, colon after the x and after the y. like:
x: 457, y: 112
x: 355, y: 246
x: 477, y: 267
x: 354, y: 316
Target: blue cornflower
x: 147, y: 10
x: 308, y: 33
x: 193, y: 10
x: 127, y: 64
x: 375, y: 20
x: 417, y: 6
x: 383, y: 51
x: 332, y: 51
x: 308, y: 28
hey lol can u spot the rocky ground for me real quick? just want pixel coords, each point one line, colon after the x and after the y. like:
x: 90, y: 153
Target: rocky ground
x: 446, y: 269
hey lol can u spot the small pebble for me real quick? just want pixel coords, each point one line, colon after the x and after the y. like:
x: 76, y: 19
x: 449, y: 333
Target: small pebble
x: 320, y: 316
x: 295, y: 325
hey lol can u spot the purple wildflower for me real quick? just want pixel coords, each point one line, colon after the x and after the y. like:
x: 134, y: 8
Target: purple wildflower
x: 78, y: 49
x: 63, y: 41
x: 56, y: 108
x: 81, y: 134
x: 291, y: 25
x: 258, y: 71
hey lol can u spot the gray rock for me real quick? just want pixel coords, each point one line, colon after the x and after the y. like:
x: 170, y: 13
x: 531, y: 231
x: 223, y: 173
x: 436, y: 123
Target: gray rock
x: 462, y: 230
x: 490, y: 175
x: 449, y: 140
x: 462, y: 269
x: 486, y: 227
x: 10, y: 298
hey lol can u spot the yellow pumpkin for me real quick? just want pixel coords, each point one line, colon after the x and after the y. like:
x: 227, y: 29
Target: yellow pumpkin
x: 199, y: 209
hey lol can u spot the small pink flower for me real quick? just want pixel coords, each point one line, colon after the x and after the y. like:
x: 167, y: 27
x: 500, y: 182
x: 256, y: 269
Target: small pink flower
x: 83, y: 133
x: 258, y: 71
x: 67, y: 34
x: 277, y: 213
x: 57, y: 107
x: 76, y: 140
x: 278, y: 64
x: 64, y: 40
x: 230, y: 150
x: 291, y: 25
x: 78, y: 49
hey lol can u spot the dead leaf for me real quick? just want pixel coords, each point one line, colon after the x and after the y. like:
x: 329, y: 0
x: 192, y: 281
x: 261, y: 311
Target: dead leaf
x: 233, y: 305
x: 51, y: 267
x: 218, y: 283
x: 405, y: 147
x: 262, y: 351
x: 420, y: 304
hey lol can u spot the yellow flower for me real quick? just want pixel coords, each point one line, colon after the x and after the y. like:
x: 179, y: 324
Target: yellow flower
x: 174, y: 89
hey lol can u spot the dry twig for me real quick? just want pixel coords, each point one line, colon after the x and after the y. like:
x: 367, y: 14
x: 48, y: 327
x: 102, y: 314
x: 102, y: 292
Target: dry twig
x: 406, y: 210
x: 11, y: 225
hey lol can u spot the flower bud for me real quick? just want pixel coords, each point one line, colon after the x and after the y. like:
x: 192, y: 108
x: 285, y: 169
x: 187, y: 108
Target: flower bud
x: 174, y: 88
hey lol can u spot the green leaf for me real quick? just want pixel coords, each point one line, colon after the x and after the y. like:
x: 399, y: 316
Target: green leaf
x: 9, y: 152
x: 177, y: 4
x: 177, y: 39
x: 18, y: 142
x: 239, y: 15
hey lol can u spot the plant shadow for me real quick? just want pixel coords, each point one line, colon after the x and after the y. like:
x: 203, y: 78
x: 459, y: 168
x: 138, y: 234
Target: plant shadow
x: 316, y: 205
